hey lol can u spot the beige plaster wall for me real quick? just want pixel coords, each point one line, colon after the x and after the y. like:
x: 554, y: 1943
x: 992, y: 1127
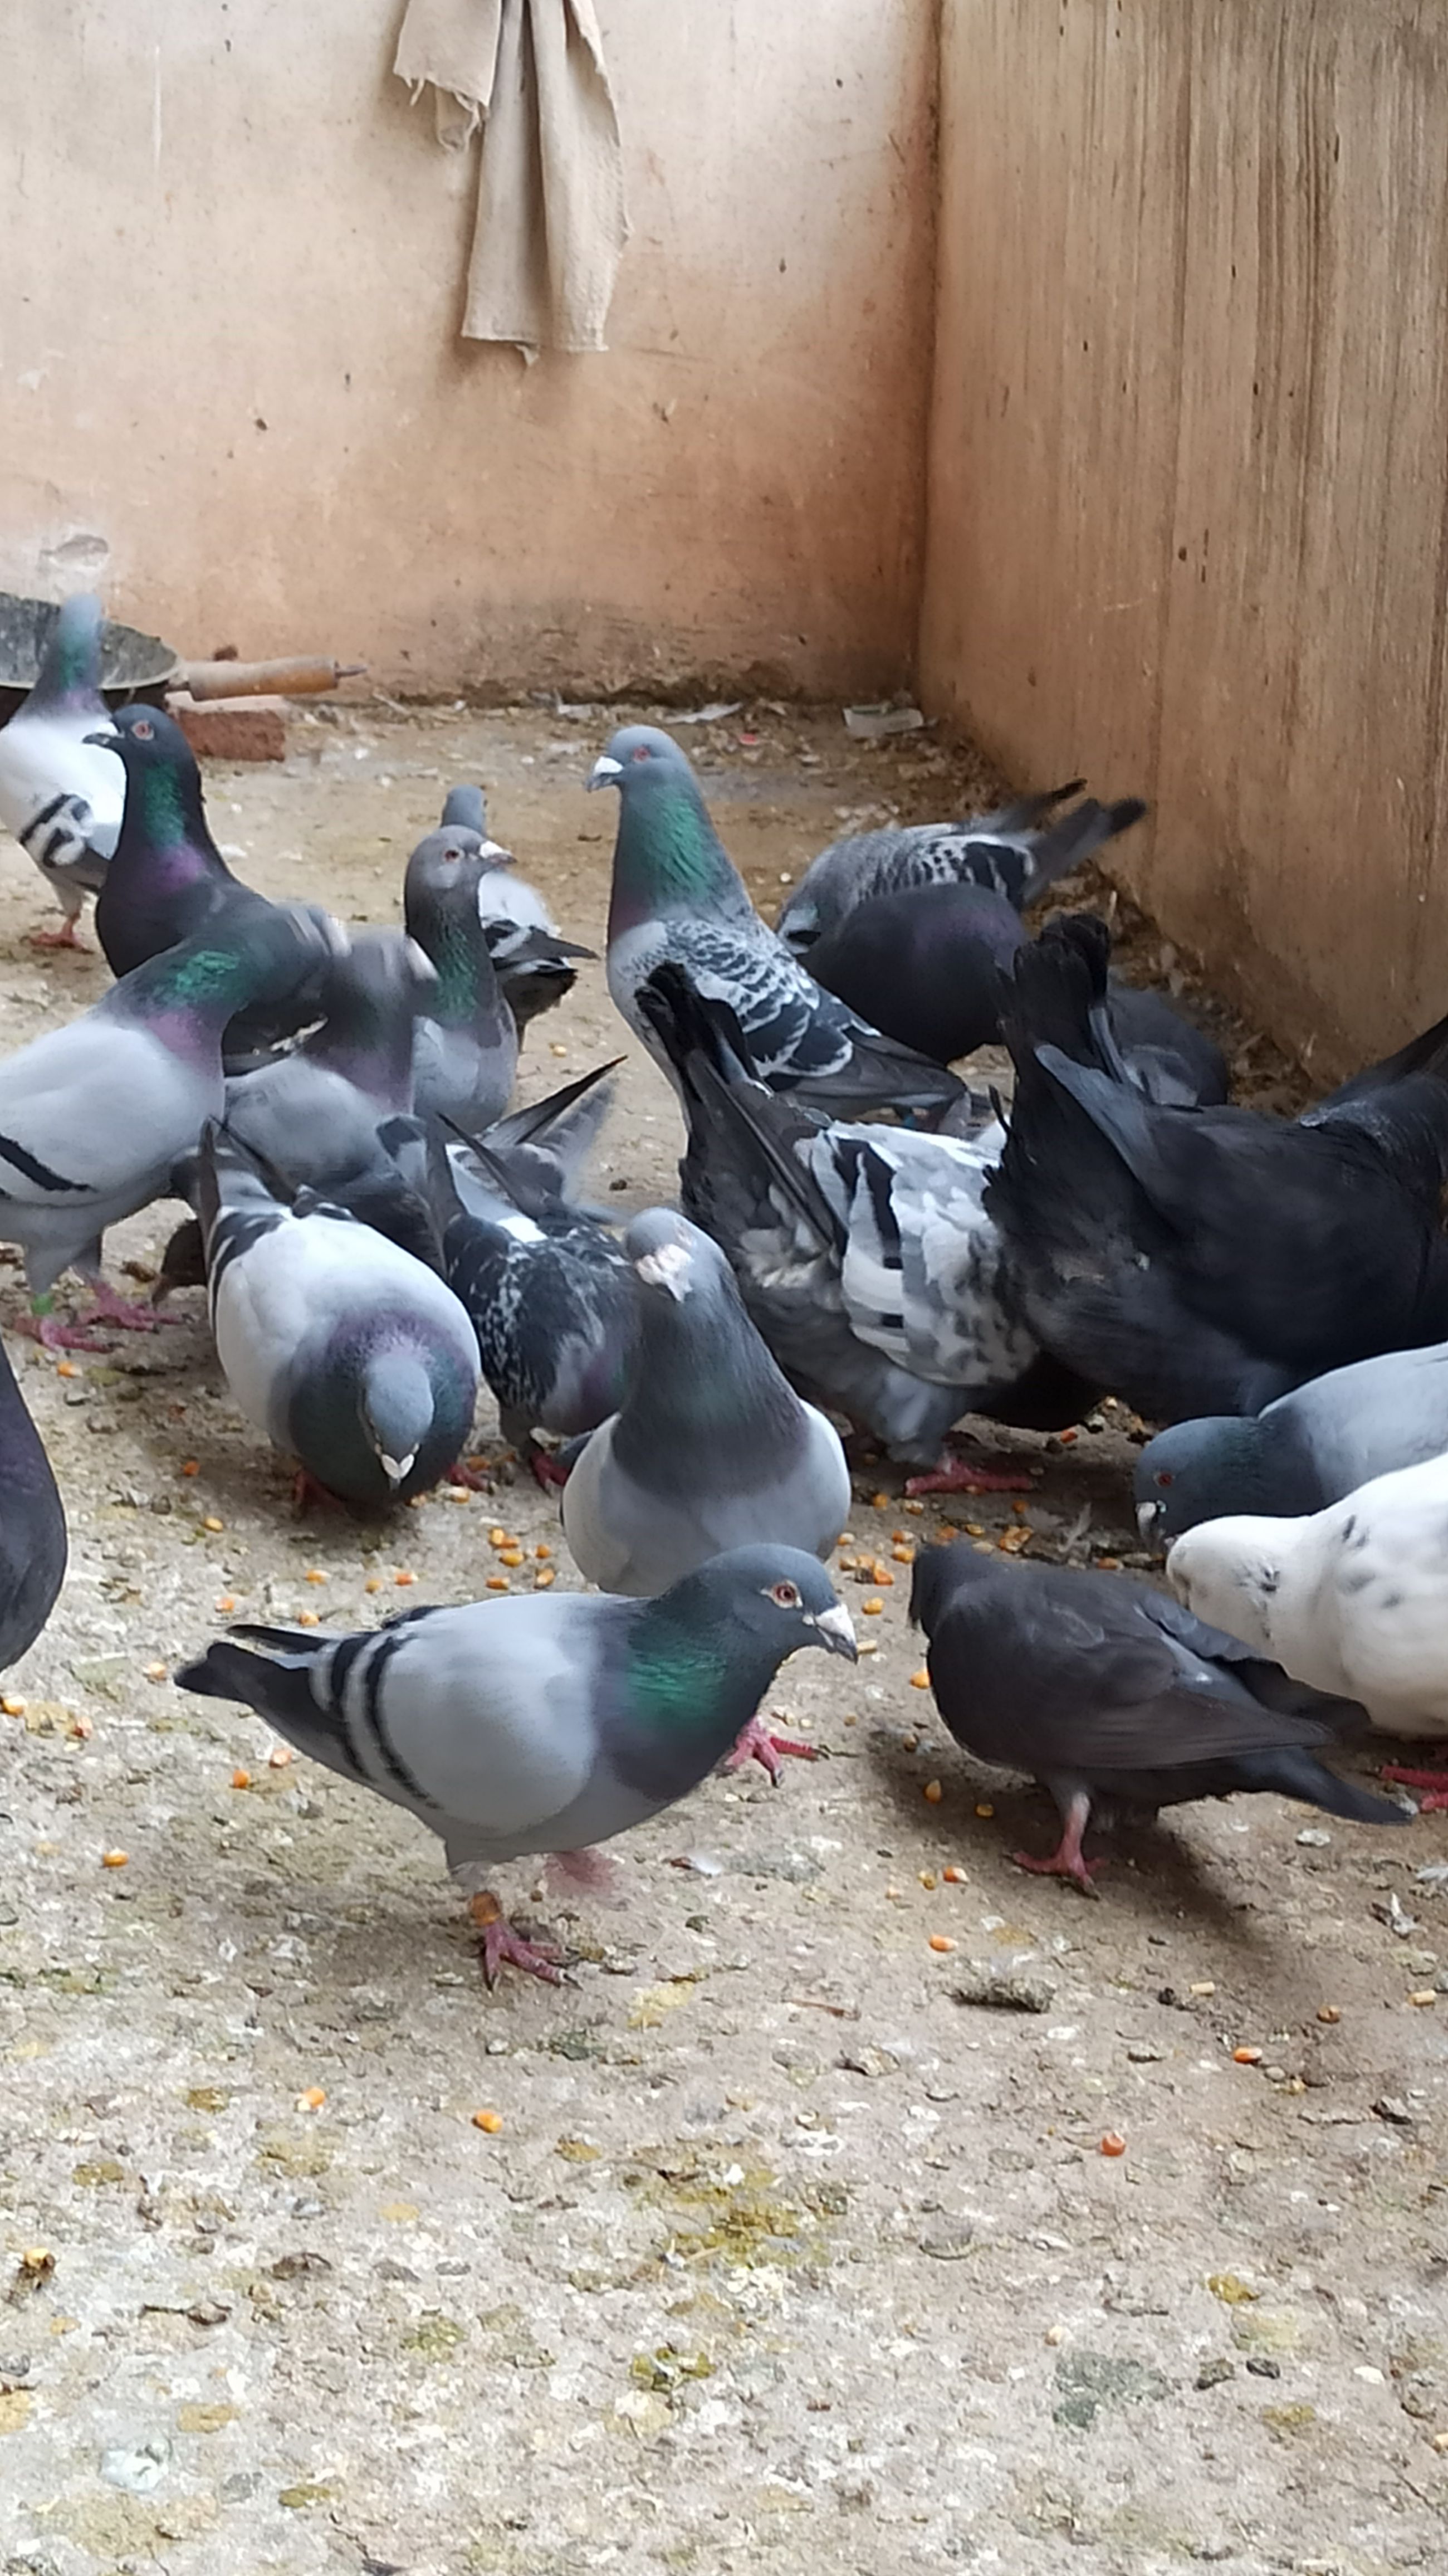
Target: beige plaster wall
x: 232, y: 394
x: 1188, y: 517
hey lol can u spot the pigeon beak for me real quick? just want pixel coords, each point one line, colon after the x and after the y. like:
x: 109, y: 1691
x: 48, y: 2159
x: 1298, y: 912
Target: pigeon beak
x: 836, y: 1633
x: 1147, y: 1516
x: 104, y: 741
x: 604, y: 771
x: 394, y: 1469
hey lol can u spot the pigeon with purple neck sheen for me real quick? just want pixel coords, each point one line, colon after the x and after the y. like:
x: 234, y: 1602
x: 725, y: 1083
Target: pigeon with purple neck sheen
x: 61, y: 787
x: 711, y: 1446
x: 345, y: 1351
x: 95, y: 1116
x: 1016, y: 854
x: 678, y: 899
x: 465, y: 1044
x: 545, y: 1723
x: 32, y: 1525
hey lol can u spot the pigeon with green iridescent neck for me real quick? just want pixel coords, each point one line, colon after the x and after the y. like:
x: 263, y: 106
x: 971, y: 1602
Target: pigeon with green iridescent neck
x: 545, y: 1723
x: 314, y: 1111
x: 95, y: 1117
x: 32, y: 1525
x: 62, y: 789
x: 678, y: 898
x: 465, y: 1045
x: 350, y: 1355
x: 711, y: 1446
x: 534, y: 964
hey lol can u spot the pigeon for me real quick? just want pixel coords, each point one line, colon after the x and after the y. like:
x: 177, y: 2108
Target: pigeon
x: 465, y: 1047
x: 95, y: 1116
x: 711, y: 1445
x: 677, y: 896
x: 924, y: 966
x: 1348, y: 1599
x: 549, y: 1290
x: 1103, y: 1689
x: 547, y: 1722
x: 62, y: 789
x: 33, y: 1543
x: 863, y: 1253
x: 1207, y: 1260
x: 313, y: 1112
x: 347, y: 1353
x: 534, y: 964
x: 1016, y: 854
x: 1308, y: 1449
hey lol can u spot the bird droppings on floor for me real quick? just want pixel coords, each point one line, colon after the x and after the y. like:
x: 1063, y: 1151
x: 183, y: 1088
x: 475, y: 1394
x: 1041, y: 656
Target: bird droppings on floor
x: 857, y: 2196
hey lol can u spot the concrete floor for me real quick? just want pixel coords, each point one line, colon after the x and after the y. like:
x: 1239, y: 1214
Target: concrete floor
x: 782, y: 2253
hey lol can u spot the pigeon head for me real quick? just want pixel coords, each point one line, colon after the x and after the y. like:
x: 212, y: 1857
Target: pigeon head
x: 773, y: 1599
x: 668, y: 856
x: 163, y: 784
x: 70, y: 674
x: 1204, y: 1470
x: 938, y: 1574
x: 635, y: 752
x: 465, y: 810
x: 395, y: 1402
x: 671, y: 1258
x: 1227, y: 1573
x: 799, y: 923
x: 440, y: 907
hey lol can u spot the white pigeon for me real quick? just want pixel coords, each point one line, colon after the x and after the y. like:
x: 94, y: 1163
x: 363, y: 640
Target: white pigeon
x: 1351, y: 1599
x: 61, y: 792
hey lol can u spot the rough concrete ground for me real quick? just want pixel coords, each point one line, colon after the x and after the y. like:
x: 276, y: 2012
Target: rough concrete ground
x: 782, y: 2254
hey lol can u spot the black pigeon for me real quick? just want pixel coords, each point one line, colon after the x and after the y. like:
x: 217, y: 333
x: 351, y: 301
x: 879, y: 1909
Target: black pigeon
x: 1016, y: 853
x: 1206, y: 1260
x: 32, y: 1525
x: 1104, y: 1690
x: 924, y: 966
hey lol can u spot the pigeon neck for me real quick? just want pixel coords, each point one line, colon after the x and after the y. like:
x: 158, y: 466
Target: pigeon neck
x: 186, y: 995
x: 696, y: 1675
x: 719, y: 1392
x: 668, y: 857
x: 165, y: 821
x: 450, y: 934
x: 70, y: 674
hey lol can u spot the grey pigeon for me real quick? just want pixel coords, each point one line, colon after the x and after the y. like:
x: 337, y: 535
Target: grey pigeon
x: 1016, y: 853
x: 544, y: 1723
x: 465, y: 809
x: 863, y: 1253
x: 61, y: 790
x: 95, y: 1116
x: 1308, y: 1449
x: 347, y: 1353
x: 678, y: 898
x: 1348, y: 1599
x: 535, y: 966
x: 465, y: 1050
x: 711, y: 1445
x: 550, y: 1293
x: 32, y: 1525
x: 313, y: 1112
x: 1103, y: 1689
x: 1207, y: 1260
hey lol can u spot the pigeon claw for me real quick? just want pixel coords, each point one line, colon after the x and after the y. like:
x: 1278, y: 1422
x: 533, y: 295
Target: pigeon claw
x: 503, y: 1947
x: 1433, y: 1785
x: 65, y: 938
x: 962, y: 1476
x: 111, y: 1308
x: 1066, y: 1861
x: 476, y: 1480
x: 757, y: 1744
x: 550, y: 1475
x: 53, y: 1335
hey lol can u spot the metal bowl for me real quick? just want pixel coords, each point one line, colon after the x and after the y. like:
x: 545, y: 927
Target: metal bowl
x: 133, y: 665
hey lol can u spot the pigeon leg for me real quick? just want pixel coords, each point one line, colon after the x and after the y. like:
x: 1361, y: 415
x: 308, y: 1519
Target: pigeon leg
x: 63, y: 938
x: 546, y: 1468
x: 462, y: 1472
x: 111, y: 1308
x: 1433, y: 1783
x: 502, y: 1945
x: 47, y: 1329
x: 1066, y: 1860
x: 307, y: 1490
x: 757, y: 1744
x: 956, y: 1475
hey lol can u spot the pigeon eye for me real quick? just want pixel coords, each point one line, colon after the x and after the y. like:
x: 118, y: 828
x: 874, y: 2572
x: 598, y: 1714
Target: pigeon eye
x: 641, y: 751
x: 786, y: 1594
x: 143, y: 731
x: 1164, y: 1476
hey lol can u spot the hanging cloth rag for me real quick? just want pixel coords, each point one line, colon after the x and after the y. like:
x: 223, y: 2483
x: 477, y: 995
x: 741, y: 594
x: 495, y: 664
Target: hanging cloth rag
x: 551, y: 221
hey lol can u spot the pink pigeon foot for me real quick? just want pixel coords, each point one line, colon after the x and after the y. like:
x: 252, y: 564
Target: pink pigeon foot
x: 757, y: 1744
x: 1434, y: 1785
x: 306, y: 1491
x: 550, y: 1475
x: 53, y: 1335
x: 475, y: 1479
x: 962, y: 1476
x: 111, y: 1308
x: 588, y: 1868
x: 64, y: 938
x: 1066, y: 1860
x: 503, y: 1946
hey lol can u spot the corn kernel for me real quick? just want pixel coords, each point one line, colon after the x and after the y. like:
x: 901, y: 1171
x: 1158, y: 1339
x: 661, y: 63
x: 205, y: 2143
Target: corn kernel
x: 114, y: 1859
x: 941, y: 1941
x: 933, y: 1792
x: 241, y: 1779
x: 312, y: 2099
x: 489, y: 2121
x: 1112, y: 2145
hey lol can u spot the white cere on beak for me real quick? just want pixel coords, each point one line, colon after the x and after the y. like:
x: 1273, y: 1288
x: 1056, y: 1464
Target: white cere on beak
x: 1147, y: 1516
x: 668, y: 1268
x: 394, y: 1469
x: 604, y: 768
x: 837, y: 1631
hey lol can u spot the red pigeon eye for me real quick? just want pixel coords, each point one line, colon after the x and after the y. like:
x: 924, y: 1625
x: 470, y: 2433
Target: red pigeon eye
x: 786, y: 1594
x: 1164, y: 1476
x: 641, y: 751
x: 143, y: 731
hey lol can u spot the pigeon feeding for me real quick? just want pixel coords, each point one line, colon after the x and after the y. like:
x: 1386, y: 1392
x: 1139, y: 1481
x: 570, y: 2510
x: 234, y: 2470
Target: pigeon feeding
x: 62, y: 788
x: 1349, y: 1599
x: 1016, y: 854
x: 344, y: 1351
x: 546, y: 1722
x: 677, y: 897
x: 1107, y: 1691
x: 711, y: 1446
